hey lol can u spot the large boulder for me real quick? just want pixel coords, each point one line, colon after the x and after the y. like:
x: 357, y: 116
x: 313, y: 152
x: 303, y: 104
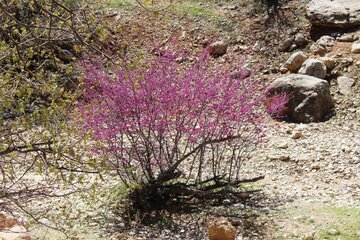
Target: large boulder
x: 334, y: 13
x: 309, y: 97
x: 313, y: 67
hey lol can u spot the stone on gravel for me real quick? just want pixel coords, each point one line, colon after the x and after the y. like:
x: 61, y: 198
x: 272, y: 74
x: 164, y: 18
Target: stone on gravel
x: 349, y: 37
x: 333, y: 232
x: 326, y: 41
x: 18, y: 229
x: 296, y: 135
x: 300, y: 39
x: 284, y: 158
x: 308, y: 238
x: 309, y: 97
x: 313, y: 67
x: 218, y: 48
x: 317, y: 49
x: 65, y: 55
x: 295, y: 61
x: 329, y: 62
x: 221, y: 229
x: 6, y: 221
x: 283, y: 145
x: 323, y: 45
x: 345, y: 84
x: 14, y: 236
x: 355, y: 47
x: 286, y: 44
x: 334, y: 13
x: 315, y: 166
x: 2, y: 220
x: 121, y: 236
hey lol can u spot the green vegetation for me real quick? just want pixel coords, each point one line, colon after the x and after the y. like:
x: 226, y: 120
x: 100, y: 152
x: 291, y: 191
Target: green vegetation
x: 40, y: 43
x: 195, y: 10
x: 346, y: 225
x: 329, y: 222
x: 122, y: 4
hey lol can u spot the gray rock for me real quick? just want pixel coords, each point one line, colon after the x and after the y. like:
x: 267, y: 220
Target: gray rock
x: 326, y: 41
x: 232, y: 7
x: 283, y: 145
x: 333, y: 232
x: 292, y: 47
x: 349, y: 37
x: 313, y: 67
x: 226, y: 201
x: 65, y: 55
x: 329, y: 62
x: 323, y: 45
x: 345, y: 84
x: 317, y: 49
x: 286, y: 44
x: 300, y: 39
x: 309, y: 97
x: 334, y: 13
x: 257, y: 47
x: 308, y: 238
x: 295, y: 61
x: 355, y: 47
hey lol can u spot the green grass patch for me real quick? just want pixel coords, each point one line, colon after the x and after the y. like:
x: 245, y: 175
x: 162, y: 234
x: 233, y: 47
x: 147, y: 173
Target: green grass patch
x: 196, y: 10
x: 329, y: 222
x: 347, y: 224
x: 252, y: 186
x: 121, y: 4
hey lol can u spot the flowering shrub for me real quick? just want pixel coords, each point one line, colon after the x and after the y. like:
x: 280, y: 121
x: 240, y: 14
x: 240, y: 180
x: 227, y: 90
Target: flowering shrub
x: 177, y: 132
x: 275, y: 104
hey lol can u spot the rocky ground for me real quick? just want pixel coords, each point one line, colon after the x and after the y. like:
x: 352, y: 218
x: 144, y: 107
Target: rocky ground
x: 311, y: 188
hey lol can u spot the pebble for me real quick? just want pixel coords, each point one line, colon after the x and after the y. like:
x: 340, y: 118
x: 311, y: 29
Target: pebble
x: 284, y: 158
x: 355, y: 47
x: 283, y: 145
x: 315, y: 166
x: 333, y: 232
x: 296, y: 135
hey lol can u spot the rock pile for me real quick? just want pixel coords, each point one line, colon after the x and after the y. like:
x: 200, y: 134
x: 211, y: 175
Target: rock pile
x: 298, y: 62
x: 293, y: 42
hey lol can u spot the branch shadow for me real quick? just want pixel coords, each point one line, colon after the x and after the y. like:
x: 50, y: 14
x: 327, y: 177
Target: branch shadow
x: 249, y: 216
x: 275, y: 13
